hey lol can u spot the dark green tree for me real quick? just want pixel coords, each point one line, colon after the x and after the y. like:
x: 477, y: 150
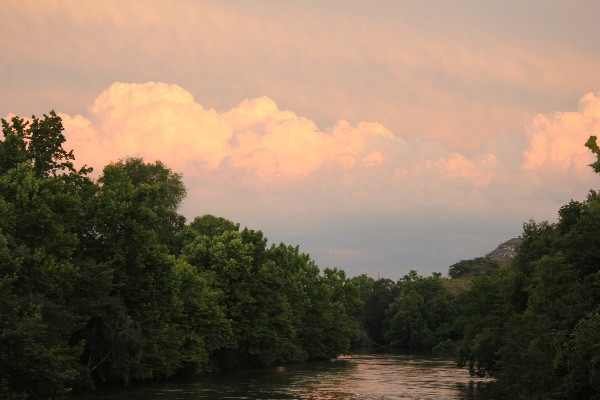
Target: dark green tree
x: 583, y: 358
x: 39, y: 143
x: 202, y: 326
x: 253, y: 295
x: 102, y: 281
x: 42, y: 205
x: 470, y: 268
x: 376, y: 302
x: 482, y: 314
x: 592, y: 144
x: 133, y: 336
x: 420, y: 316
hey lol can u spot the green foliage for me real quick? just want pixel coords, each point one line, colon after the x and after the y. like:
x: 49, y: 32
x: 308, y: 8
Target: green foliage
x: 283, y: 309
x: 338, y: 303
x: 158, y: 189
x: 41, y: 208
x: 420, y: 316
x: 376, y: 296
x: 480, y: 321
x: 38, y: 143
x: 209, y: 225
x: 583, y: 358
x: 134, y: 335
x: 592, y: 144
x: 526, y: 362
x: 30, y: 349
x: 202, y: 327
x: 251, y: 297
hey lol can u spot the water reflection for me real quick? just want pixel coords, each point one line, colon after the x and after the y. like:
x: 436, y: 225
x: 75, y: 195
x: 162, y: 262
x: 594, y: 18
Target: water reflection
x: 368, y: 377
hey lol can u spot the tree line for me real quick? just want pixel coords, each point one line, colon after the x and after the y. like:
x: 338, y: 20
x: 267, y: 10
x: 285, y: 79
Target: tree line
x: 102, y: 281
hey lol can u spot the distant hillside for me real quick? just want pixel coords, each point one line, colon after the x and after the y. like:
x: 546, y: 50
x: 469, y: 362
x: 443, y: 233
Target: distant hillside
x: 505, y: 252
x: 462, y: 272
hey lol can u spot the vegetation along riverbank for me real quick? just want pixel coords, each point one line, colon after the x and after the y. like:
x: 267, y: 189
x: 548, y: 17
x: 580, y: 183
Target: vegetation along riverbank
x: 102, y: 281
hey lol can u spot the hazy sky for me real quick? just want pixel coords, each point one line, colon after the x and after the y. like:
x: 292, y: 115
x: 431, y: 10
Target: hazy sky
x: 379, y: 136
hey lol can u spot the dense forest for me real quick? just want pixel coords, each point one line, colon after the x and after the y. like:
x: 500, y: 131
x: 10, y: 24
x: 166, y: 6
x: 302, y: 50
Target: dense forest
x: 102, y: 281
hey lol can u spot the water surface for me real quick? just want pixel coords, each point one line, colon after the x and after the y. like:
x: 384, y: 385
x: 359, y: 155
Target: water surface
x: 365, y: 377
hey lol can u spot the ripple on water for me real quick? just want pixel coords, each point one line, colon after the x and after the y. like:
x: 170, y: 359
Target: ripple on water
x: 360, y: 377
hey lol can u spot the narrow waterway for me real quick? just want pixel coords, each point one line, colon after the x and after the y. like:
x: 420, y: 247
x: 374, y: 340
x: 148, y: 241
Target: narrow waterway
x: 364, y: 377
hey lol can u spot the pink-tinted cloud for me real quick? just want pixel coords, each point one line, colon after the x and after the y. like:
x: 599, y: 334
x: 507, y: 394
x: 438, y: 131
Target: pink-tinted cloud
x: 256, y: 162
x: 279, y: 161
x: 275, y: 144
x: 452, y: 75
x: 556, y: 140
x: 264, y: 144
x: 478, y: 171
x: 256, y: 144
x: 157, y: 120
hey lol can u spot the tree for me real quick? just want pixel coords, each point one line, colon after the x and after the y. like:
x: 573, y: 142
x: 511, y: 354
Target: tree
x: 469, y: 268
x: 299, y: 274
x: 102, y: 281
x: 42, y: 204
x: 481, y: 320
x: 382, y: 293
x: 202, y: 326
x: 583, y: 357
x: 592, y: 144
x: 133, y: 335
x: 419, y: 317
x: 39, y: 143
x: 253, y: 295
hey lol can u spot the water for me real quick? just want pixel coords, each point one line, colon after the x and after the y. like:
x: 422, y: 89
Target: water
x: 359, y: 377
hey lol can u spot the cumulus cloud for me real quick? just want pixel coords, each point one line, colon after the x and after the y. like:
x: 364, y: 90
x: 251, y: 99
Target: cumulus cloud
x: 556, y: 140
x: 283, y: 164
x: 274, y: 143
x: 450, y: 93
x: 255, y: 163
x: 158, y: 120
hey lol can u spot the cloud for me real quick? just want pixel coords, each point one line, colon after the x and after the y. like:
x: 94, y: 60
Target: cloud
x: 271, y: 168
x: 479, y: 171
x: 275, y: 144
x: 257, y: 143
x: 446, y: 91
x: 273, y: 158
x: 412, y: 68
x: 556, y: 141
x: 158, y: 120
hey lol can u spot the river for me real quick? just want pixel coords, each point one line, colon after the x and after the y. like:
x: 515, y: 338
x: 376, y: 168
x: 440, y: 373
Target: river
x: 360, y: 377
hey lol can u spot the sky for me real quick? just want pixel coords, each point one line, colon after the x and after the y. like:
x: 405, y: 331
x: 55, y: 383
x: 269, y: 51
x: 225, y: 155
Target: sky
x: 379, y: 137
